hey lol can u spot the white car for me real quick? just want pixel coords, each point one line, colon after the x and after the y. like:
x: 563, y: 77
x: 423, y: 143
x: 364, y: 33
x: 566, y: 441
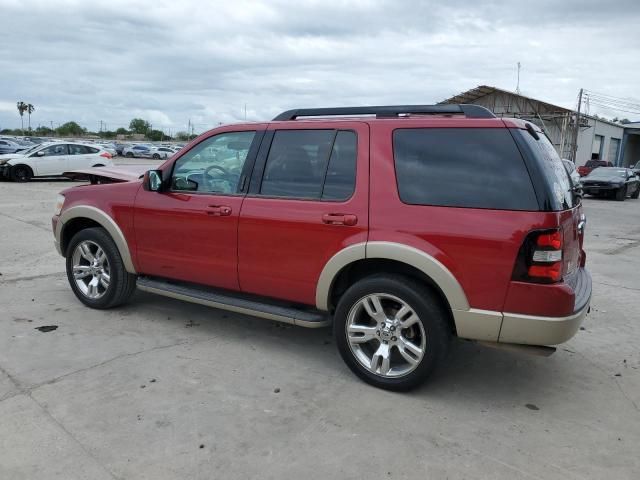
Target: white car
x: 52, y: 160
x: 160, y: 152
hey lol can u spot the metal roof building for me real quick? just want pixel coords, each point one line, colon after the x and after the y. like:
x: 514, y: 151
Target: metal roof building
x: 597, y: 138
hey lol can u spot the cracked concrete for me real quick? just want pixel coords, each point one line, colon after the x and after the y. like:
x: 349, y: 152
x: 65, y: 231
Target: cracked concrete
x: 161, y: 389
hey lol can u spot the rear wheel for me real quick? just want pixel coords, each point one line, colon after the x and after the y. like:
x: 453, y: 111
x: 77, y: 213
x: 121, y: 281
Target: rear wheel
x: 21, y: 173
x: 156, y: 156
x: 95, y: 270
x: 636, y: 194
x: 98, y: 165
x: 391, y: 331
x: 129, y: 155
x: 621, y: 194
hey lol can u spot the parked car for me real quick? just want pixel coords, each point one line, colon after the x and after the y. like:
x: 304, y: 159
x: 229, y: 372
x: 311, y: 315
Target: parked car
x: 108, y: 147
x: 295, y: 221
x: 636, y: 168
x: 10, y: 146
x: 612, y: 182
x: 120, y: 147
x: 35, y: 140
x: 160, y: 152
x: 571, y: 170
x: 51, y: 159
x: 136, y: 151
x: 585, y: 169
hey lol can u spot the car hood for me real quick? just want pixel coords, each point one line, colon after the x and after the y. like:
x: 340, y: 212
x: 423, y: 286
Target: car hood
x: 122, y: 173
x: 9, y: 156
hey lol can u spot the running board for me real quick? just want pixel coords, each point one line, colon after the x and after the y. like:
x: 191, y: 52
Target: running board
x: 236, y: 302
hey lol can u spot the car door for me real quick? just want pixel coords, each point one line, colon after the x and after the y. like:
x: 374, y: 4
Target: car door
x: 189, y: 231
x: 51, y: 160
x: 78, y: 157
x: 308, y: 200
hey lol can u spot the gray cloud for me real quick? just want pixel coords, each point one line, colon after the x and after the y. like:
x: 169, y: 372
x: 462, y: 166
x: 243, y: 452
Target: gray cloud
x: 173, y: 61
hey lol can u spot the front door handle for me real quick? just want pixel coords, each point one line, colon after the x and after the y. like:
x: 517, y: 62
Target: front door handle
x: 218, y: 210
x: 340, y: 219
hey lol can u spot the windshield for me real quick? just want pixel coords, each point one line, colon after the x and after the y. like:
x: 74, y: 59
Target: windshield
x: 30, y: 150
x: 606, y: 173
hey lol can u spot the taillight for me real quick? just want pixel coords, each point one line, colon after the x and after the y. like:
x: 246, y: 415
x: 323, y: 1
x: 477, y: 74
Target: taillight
x: 540, y: 257
x: 105, y: 155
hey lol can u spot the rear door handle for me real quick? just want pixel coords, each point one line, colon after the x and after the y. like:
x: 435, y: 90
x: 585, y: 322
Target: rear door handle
x: 218, y: 210
x: 340, y: 219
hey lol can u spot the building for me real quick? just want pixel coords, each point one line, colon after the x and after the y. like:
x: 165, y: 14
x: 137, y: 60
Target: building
x: 597, y: 138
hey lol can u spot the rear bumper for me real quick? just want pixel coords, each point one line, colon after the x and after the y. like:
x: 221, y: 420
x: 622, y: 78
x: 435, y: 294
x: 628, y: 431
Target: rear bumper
x: 542, y: 330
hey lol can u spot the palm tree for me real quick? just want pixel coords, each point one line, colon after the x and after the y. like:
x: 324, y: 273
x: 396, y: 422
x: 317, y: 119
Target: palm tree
x: 30, y: 109
x: 22, y: 107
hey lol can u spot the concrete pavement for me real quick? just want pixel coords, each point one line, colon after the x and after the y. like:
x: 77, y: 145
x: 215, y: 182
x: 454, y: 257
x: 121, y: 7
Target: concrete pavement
x: 161, y: 389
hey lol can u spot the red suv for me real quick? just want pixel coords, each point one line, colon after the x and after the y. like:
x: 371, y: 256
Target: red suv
x: 364, y: 218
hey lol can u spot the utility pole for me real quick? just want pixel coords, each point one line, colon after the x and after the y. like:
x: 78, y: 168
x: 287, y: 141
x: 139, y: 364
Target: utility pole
x: 576, y: 130
x: 518, y: 84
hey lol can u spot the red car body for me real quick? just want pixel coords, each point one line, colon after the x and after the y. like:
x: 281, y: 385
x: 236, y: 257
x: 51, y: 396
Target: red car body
x: 279, y: 248
x: 584, y: 170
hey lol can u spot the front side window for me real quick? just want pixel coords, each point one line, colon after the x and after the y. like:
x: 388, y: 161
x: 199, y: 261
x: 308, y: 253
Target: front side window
x: 462, y: 167
x: 214, y: 165
x: 311, y: 164
x: 53, y: 150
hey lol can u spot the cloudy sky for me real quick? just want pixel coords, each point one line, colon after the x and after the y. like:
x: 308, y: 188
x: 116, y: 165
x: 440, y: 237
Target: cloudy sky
x: 174, y: 61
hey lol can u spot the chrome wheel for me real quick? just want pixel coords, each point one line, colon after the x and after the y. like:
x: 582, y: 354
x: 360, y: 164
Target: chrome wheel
x: 385, y: 335
x: 91, y: 269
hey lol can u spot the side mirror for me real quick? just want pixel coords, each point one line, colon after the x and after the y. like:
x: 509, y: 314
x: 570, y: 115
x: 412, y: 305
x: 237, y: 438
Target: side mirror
x: 153, y: 180
x: 40, y: 153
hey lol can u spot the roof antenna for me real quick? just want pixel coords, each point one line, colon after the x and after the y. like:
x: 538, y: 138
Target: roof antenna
x: 518, y: 84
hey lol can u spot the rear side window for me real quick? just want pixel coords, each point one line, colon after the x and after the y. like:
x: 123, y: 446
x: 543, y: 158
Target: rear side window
x: 554, y: 172
x: 462, y: 167
x: 311, y: 164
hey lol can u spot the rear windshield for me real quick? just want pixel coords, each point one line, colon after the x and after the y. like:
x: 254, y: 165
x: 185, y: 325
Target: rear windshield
x: 554, y: 172
x: 595, y: 163
x: 462, y: 167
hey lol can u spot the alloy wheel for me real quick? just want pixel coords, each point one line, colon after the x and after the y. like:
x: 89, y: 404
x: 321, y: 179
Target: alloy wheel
x: 91, y: 269
x: 385, y: 335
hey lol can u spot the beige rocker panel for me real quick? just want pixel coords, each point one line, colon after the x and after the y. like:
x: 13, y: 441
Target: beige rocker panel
x: 470, y: 323
x: 97, y: 215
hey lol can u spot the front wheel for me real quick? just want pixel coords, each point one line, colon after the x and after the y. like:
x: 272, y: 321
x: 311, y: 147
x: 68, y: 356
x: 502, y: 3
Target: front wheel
x: 95, y: 270
x: 129, y: 155
x: 621, y: 194
x: 21, y: 173
x: 391, y: 331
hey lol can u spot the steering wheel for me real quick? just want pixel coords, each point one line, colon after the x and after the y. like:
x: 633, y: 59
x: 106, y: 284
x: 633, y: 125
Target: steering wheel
x: 224, y: 171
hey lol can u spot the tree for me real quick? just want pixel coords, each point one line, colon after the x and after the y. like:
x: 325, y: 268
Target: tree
x: 156, y: 135
x: 138, y: 125
x: 30, y: 110
x: 122, y: 131
x: 22, y: 107
x: 70, y: 129
x: 42, y: 131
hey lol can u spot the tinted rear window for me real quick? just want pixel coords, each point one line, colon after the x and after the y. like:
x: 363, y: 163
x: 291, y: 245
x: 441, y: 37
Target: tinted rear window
x: 462, y: 167
x: 554, y: 172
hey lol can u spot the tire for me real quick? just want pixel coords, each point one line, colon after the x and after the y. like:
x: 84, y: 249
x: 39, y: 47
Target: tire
x: 429, y: 329
x: 621, y: 194
x: 21, y: 173
x: 120, y: 285
x: 636, y: 194
x: 129, y: 155
x: 156, y: 156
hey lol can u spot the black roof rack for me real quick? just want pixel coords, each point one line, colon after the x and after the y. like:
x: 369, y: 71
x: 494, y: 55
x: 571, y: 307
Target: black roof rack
x: 389, y: 111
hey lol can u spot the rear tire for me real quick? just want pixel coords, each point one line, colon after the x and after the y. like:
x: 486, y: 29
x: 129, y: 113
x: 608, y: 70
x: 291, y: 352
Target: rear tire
x: 21, y: 173
x: 98, y: 165
x: 368, y: 327
x: 156, y: 156
x: 129, y: 155
x: 95, y: 270
x: 621, y: 194
x: 636, y: 194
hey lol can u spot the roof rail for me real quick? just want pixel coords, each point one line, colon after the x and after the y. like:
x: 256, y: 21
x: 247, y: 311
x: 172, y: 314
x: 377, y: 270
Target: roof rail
x: 389, y: 111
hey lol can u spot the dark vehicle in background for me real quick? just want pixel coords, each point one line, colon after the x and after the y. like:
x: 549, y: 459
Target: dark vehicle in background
x: 612, y: 182
x: 584, y: 170
x: 120, y: 147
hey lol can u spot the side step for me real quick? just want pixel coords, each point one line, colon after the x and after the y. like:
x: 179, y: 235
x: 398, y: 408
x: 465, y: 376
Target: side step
x: 236, y: 302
